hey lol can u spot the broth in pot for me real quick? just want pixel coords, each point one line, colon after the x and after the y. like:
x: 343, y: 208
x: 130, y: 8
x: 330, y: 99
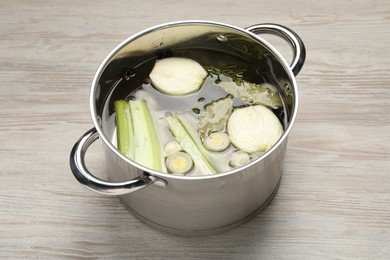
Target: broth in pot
x: 209, y: 112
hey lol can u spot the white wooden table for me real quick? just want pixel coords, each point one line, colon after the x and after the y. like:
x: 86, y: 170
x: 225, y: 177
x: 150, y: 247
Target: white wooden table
x: 334, y: 199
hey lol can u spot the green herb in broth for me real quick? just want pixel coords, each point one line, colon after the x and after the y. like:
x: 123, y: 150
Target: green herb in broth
x: 253, y: 94
x: 215, y: 116
x: 256, y: 94
x: 235, y: 73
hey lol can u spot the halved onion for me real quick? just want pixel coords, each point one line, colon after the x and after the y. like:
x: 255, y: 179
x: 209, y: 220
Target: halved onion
x: 255, y: 128
x: 177, y: 76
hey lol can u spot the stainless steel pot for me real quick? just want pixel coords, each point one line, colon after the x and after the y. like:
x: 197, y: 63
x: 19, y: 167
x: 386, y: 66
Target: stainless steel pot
x: 179, y: 204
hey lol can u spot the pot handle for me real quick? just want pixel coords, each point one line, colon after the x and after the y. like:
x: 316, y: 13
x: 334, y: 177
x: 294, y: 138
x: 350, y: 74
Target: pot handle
x: 82, y: 174
x: 298, y: 48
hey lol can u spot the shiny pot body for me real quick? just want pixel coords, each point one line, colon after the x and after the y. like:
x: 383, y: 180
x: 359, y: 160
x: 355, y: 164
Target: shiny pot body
x: 204, y: 204
x: 180, y: 204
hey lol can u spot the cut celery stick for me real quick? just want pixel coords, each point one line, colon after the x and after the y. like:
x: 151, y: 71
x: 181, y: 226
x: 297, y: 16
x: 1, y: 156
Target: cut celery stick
x: 147, y: 146
x: 189, y: 144
x: 125, y: 134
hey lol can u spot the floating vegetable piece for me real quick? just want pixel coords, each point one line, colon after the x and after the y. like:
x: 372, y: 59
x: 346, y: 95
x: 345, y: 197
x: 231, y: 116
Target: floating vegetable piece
x: 172, y: 147
x: 254, y: 128
x: 264, y: 94
x: 179, y: 163
x: 177, y: 76
x: 216, y: 142
x: 216, y: 116
x: 147, y: 146
x: 238, y: 159
x: 125, y: 132
x: 190, y: 144
x: 136, y: 134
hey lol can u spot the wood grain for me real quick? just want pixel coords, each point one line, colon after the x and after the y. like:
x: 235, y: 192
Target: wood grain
x: 334, y: 200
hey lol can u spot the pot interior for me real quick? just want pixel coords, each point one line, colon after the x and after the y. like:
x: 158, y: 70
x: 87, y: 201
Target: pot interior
x: 127, y: 67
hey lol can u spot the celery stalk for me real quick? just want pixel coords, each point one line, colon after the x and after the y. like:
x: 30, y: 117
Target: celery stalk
x: 146, y: 141
x: 189, y: 144
x: 124, y: 128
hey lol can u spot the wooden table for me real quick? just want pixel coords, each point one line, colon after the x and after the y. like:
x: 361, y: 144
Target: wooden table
x: 334, y: 199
